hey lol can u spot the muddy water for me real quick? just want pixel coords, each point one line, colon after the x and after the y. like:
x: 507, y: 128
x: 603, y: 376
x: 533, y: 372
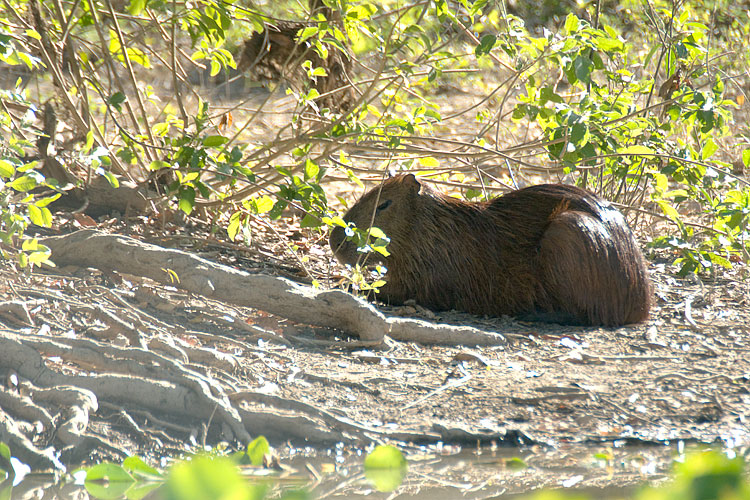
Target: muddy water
x: 603, y: 471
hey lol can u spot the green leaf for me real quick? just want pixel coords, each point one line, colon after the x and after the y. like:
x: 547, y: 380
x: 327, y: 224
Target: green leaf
x: 485, y: 45
x: 40, y: 216
x: 376, y: 232
x: 40, y: 257
x: 213, y: 141
x: 353, y: 178
x: 709, y: 149
x: 609, y: 44
x: 718, y: 259
x: 158, y: 165
x: 6, y: 169
x: 116, y: 100
x: 89, y: 142
x: 571, y: 23
x: 137, y: 56
x: 5, y: 451
x: 307, y: 33
x: 379, y: 246
x: 429, y: 162
x: 23, y: 183
x: 137, y: 466
x: 257, y: 449
x: 109, y: 176
x: 206, y: 477
x: 637, y: 150
x: 746, y: 157
x: 515, y: 463
x: 582, y: 66
x: 234, y: 225
x: 385, y: 457
x: 108, y: 472
x: 661, y: 182
x: 311, y: 170
x: 577, y: 133
x: 668, y: 209
x: 136, y: 6
x: 187, y: 199
x: 385, y: 467
x: 310, y: 221
x: 263, y: 204
x: 215, y: 67
x: 334, y: 221
x: 30, y: 245
x: 32, y: 33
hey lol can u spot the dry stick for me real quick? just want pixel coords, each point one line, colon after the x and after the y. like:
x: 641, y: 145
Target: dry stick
x: 110, y: 63
x: 291, y: 143
x: 131, y: 73
x: 173, y: 50
x: 73, y: 60
x: 80, y: 122
x: 286, y: 145
x: 450, y: 385
x: 182, y: 74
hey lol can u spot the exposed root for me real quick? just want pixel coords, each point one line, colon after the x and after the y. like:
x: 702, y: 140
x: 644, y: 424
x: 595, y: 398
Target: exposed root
x: 330, y: 309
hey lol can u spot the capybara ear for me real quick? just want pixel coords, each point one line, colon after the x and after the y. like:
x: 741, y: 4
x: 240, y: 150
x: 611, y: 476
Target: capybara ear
x: 412, y: 182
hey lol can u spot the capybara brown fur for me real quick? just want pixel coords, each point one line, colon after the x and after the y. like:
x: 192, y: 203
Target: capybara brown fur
x: 550, y: 252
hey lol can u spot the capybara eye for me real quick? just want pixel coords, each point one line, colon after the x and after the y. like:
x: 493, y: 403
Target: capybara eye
x: 384, y: 205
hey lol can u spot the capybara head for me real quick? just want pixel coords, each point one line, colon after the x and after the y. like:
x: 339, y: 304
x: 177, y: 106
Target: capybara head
x: 388, y: 208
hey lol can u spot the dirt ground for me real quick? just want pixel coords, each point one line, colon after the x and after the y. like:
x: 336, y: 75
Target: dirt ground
x: 683, y: 375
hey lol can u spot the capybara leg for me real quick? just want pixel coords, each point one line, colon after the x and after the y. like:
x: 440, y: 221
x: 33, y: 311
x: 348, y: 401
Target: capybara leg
x: 592, y: 271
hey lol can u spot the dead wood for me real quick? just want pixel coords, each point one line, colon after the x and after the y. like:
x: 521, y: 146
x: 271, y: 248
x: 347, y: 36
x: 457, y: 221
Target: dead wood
x: 15, y: 313
x: 302, y: 304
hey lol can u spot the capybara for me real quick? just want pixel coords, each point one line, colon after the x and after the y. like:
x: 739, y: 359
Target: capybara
x: 550, y: 252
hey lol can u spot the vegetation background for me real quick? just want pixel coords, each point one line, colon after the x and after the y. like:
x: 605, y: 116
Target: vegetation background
x: 254, y: 122
x: 643, y: 102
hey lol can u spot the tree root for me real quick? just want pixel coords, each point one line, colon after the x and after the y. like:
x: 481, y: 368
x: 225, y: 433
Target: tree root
x: 330, y: 309
x: 55, y: 384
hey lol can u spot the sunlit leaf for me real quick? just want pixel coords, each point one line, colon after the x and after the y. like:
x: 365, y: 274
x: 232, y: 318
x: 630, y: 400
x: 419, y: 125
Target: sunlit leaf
x: 257, y: 449
x: 213, y: 141
x: 709, y: 148
x: 571, y: 23
x: 23, y: 183
x: 136, y: 6
x: 386, y: 467
x: 6, y: 169
x: 136, y: 465
x: 636, y: 150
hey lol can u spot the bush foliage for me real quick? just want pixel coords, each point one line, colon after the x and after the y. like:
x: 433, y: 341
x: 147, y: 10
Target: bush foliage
x: 634, y: 101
